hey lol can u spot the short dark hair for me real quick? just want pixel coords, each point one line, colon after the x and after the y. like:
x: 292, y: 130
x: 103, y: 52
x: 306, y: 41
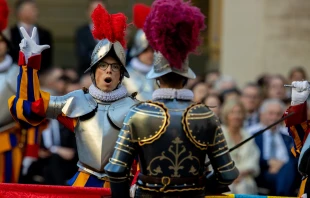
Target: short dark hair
x: 20, y: 3
x: 173, y: 79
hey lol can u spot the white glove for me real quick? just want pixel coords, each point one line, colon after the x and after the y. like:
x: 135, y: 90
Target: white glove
x: 28, y: 45
x: 27, y: 161
x: 300, y: 92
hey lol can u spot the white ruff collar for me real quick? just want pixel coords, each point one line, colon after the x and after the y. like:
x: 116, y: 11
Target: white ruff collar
x: 114, y: 95
x: 168, y: 93
x: 138, y: 65
x: 6, y: 63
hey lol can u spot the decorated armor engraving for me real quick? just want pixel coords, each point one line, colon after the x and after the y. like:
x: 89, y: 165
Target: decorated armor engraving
x: 169, y: 150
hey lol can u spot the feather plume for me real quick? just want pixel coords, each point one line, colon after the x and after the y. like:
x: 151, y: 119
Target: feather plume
x: 4, y: 14
x: 173, y: 28
x: 140, y: 12
x: 109, y: 26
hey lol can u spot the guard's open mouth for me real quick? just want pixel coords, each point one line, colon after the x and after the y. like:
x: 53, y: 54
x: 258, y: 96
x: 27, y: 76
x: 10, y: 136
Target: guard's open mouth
x: 108, y: 79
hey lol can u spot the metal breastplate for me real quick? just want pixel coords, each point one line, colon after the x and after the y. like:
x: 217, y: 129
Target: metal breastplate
x: 95, y: 137
x: 97, y: 132
x: 7, y: 89
x: 172, y: 154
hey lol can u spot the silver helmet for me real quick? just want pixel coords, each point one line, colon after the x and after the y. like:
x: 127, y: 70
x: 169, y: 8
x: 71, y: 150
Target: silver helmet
x: 140, y: 43
x: 102, y: 48
x: 162, y: 67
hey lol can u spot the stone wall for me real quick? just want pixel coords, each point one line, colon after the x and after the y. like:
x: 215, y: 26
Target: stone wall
x: 264, y: 36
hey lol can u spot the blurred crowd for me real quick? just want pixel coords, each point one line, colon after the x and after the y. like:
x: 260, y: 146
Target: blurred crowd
x: 266, y: 164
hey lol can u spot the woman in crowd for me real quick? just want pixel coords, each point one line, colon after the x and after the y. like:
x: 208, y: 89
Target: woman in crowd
x: 246, y: 157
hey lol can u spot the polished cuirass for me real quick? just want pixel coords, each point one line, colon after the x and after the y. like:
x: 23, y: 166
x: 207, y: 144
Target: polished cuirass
x: 172, y: 138
x: 8, y: 85
x: 97, y: 126
x: 138, y: 83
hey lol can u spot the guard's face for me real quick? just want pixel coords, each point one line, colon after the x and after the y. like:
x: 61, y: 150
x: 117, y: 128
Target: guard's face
x: 147, y: 56
x: 108, y: 73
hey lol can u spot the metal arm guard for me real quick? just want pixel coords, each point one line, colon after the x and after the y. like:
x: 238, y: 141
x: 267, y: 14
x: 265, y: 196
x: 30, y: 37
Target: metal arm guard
x: 74, y: 104
x: 200, y: 117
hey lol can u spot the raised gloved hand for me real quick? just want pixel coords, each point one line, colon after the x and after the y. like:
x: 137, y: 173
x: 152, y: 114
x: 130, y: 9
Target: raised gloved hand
x: 300, y: 92
x: 28, y: 45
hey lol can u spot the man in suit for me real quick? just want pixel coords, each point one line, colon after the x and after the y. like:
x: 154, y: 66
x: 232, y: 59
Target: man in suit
x: 27, y: 15
x: 277, y: 164
x: 84, y: 40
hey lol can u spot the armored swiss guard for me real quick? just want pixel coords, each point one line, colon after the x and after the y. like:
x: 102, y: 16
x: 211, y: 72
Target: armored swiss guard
x: 95, y: 114
x: 141, y: 55
x: 19, y: 146
x: 171, y: 134
x: 299, y: 129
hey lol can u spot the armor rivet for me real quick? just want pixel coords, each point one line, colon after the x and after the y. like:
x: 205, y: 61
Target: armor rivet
x: 138, y: 138
x: 155, y: 184
x: 150, y: 135
x: 193, y: 184
x: 144, y: 138
x: 147, y: 183
x: 156, y: 131
x: 184, y: 184
x: 198, y: 140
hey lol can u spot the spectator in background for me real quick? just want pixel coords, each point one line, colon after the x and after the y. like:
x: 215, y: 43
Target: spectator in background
x: 84, y: 40
x: 85, y: 81
x: 251, y: 98
x: 297, y: 74
x: 277, y: 164
x: 230, y: 94
x: 27, y: 17
x: 224, y: 83
x: 51, y: 81
x: 275, y: 87
x: 246, y: 157
x: 211, y: 77
x: 200, y: 90
x: 214, y: 103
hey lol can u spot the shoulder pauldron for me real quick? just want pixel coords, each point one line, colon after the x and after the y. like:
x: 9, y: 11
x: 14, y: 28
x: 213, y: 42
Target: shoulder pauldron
x: 198, y: 123
x: 147, y: 121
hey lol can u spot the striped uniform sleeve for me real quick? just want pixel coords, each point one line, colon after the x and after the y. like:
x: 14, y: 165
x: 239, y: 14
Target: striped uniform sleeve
x: 33, y: 139
x: 30, y: 103
x: 298, y: 126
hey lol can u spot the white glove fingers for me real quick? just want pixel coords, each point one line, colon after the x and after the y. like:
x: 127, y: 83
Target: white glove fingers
x: 44, y: 47
x: 34, y: 34
x: 305, y: 85
x: 24, y: 33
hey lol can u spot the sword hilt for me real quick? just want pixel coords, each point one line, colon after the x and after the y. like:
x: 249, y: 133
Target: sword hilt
x: 295, y: 87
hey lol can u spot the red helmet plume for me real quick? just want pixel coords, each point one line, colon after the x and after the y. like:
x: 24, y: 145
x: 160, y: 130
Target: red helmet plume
x: 109, y: 26
x: 4, y: 14
x: 173, y: 28
x: 140, y: 12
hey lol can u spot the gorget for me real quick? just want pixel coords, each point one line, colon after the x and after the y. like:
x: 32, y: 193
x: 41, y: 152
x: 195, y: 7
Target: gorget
x: 169, y: 93
x: 114, y: 95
